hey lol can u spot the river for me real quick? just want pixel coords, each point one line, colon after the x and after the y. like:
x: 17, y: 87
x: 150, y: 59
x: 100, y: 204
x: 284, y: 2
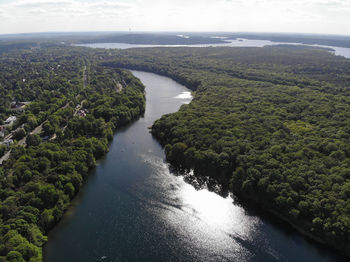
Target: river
x: 132, y: 208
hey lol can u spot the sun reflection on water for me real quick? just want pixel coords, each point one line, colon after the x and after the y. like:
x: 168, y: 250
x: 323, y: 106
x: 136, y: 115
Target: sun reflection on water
x: 214, y: 211
x: 203, y: 218
x: 184, y: 95
x: 206, y: 205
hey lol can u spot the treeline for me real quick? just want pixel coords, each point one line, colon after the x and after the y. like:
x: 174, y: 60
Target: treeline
x: 38, y: 182
x: 270, y: 124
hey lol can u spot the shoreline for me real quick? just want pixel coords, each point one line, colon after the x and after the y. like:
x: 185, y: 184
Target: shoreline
x: 259, y: 206
x: 249, y: 202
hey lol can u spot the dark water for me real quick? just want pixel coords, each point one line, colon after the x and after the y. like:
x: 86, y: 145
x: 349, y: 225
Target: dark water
x: 133, y: 209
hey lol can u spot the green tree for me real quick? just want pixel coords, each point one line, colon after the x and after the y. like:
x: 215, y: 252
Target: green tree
x: 33, y: 140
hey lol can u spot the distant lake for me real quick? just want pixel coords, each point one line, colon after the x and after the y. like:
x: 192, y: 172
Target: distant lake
x: 342, y: 51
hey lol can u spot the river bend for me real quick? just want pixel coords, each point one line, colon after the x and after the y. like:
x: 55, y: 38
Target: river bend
x: 133, y: 209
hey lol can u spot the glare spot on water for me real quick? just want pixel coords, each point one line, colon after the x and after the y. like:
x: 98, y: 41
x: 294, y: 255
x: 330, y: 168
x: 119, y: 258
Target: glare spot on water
x: 184, y: 95
x: 206, y: 205
x: 204, y: 218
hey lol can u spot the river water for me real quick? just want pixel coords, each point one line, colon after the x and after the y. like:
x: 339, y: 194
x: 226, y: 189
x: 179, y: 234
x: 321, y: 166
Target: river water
x: 133, y: 209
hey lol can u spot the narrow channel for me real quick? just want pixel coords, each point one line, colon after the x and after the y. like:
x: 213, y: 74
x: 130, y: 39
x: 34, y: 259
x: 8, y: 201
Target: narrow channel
x: 133, y: 209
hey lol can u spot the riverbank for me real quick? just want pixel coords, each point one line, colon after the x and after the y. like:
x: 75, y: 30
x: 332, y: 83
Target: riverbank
x: 256, y: 203
x: 252, y: 202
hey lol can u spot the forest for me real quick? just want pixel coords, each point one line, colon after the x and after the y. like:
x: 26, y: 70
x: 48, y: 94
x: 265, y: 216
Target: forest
x: 269, y: 124
x: 78, y: 105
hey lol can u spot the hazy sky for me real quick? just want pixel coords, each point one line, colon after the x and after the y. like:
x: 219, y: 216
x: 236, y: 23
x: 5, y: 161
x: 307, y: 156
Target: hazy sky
x: 309, y: 16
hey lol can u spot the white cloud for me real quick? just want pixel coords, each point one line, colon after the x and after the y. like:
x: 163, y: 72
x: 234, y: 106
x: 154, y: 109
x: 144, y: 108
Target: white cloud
x: 314, y: 16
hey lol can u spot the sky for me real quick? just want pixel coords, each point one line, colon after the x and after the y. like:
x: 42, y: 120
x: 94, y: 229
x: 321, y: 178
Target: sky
x: 304, y: 16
